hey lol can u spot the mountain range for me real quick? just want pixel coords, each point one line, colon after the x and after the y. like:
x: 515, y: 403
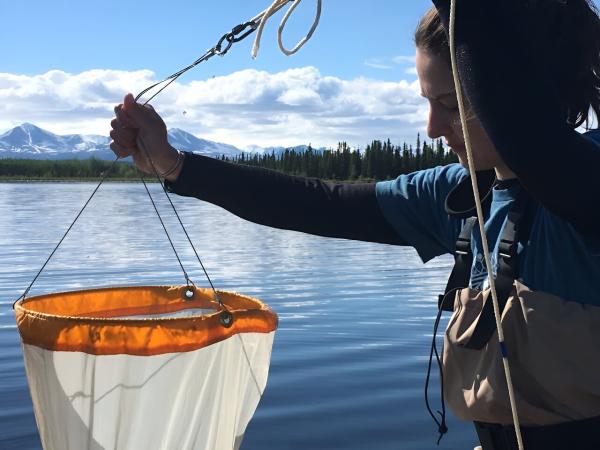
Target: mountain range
x: 28, y: 141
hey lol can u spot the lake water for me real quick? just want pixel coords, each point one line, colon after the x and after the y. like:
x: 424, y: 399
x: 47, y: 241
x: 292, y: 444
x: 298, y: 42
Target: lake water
x: 356, y: 319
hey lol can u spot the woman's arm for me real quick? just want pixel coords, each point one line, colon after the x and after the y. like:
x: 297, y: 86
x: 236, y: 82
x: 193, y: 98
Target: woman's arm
x: 267, y: 197
x: 517, y: 104
x: 342, y: 210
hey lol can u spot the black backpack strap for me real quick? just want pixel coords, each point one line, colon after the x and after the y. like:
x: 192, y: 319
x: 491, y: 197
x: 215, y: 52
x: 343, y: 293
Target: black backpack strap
x: 460, y: 204
x: 463, y: 260
x: 506, y: 272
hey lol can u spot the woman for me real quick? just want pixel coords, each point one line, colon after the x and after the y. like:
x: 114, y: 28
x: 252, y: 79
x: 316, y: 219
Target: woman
x: 530, y: 71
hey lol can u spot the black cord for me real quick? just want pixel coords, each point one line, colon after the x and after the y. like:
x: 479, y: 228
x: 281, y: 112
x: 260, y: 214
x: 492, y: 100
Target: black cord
x: 104, y: 175
x: 237, y: 34
x: 187, y: 278
x: 441, y: 422
x: 147, y: 155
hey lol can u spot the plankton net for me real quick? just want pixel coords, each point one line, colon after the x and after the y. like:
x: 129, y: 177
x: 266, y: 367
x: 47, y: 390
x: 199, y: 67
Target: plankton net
x: 145, y: 367
x: 149, y: 367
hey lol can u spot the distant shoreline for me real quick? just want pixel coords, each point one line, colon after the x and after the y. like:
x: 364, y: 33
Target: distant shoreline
x: 72, y: 180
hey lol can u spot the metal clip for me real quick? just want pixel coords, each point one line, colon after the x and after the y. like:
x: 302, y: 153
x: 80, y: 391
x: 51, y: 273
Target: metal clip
x: 226, y: 319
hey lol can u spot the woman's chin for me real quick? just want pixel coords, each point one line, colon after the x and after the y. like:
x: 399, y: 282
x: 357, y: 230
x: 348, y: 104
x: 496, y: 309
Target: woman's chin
x: 463, y: 161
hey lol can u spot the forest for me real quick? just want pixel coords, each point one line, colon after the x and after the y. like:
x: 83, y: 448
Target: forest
x: 379, y: 160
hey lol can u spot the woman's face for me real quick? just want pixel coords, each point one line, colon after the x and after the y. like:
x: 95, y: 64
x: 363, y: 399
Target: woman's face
x: 437, y: 86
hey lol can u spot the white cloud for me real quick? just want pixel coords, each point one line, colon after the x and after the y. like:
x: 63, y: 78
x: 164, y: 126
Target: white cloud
x: 292, y: 107
x: 377, y: 64
x: 404, y: 59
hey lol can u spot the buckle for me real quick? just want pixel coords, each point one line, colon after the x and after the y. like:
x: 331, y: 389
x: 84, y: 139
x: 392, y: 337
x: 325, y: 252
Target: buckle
x: 507, y: 248
x: 463, y: 246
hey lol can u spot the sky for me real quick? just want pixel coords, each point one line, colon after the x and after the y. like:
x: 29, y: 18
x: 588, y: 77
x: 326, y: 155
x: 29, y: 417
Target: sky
x: 66, y: 63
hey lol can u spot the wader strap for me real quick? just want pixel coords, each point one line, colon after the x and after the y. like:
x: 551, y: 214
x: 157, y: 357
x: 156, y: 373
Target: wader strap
x: 579, y: 435
x: 463, y: 260
x: 460, y: 204
x: 506, y: 272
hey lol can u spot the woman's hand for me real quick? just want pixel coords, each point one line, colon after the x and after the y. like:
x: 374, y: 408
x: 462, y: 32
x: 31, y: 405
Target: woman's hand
x: 139, y: 131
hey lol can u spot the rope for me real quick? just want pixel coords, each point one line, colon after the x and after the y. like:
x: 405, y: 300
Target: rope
x: 306, y: 38
x: 484, y: 242
x: 267, y: 13
x: 141, y: 145
x: 237, y: 34
x: 187, y: 278
x: 104, y: 175
x: 441, y: 423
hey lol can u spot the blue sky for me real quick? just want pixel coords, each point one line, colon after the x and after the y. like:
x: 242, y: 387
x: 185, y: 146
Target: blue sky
x: 76, y: 35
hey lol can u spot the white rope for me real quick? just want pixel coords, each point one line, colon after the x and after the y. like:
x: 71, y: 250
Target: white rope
x: 480, y: 218
x: 267, y: 13
x: 263, y: 17
x: 306, y: 38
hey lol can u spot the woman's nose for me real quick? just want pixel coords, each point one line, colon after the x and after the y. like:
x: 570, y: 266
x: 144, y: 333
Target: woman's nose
x: 439, y: 124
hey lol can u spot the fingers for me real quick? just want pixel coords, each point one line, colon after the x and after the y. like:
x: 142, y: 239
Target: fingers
x: 129, y: 101
x: 120, y: 151
x: 123, y: 119
x: 131, y: 114
x: 128, y: 113
x: 140, y: 115
x: 117, y: 125
x: 125, y: 137
x: 133, y: 120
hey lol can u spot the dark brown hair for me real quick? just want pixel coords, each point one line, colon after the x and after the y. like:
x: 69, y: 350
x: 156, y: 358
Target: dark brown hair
x: 431, y: 36
x: 565, y: 39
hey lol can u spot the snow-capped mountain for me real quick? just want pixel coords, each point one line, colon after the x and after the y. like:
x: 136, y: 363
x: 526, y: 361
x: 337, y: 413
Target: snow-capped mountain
x: 32, y: 142
x: 182, y: 140
x: 28, y: 141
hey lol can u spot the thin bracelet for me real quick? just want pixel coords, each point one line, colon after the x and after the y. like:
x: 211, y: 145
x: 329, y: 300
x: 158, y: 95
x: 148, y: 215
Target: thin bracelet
x: 175, y: 166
